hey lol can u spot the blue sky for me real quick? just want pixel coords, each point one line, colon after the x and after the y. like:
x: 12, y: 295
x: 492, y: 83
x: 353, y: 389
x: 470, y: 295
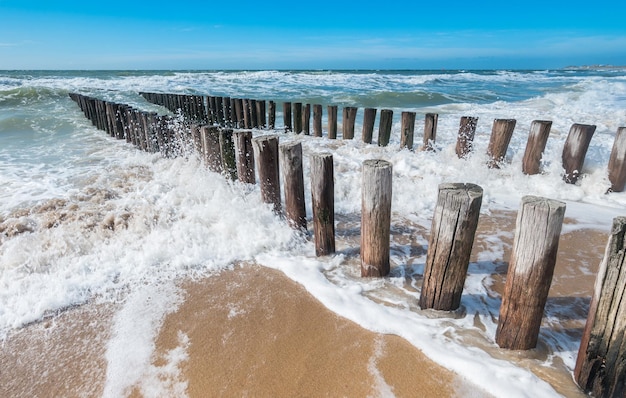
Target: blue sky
x: 240, y: 34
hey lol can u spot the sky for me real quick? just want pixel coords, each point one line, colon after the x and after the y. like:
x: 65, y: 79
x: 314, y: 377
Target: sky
x: 316, y: 34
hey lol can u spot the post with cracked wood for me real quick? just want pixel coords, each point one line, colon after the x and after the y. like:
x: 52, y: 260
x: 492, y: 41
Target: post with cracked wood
x: 290, y: 154
x: 266, y: 159
x: 323, y: 203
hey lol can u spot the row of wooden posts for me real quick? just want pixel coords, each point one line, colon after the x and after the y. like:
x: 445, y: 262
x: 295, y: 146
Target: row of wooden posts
x: 600, y: 366
x: 250, y: 113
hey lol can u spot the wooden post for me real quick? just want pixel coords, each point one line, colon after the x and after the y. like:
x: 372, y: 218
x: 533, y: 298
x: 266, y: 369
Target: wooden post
x: 247, y: 123
x: 317, y: 120
x: 211, y: 147
x: 219, y: 104
x: 349, y: 117
x: 384, y: 127
x: 266, y: 159
x: 197, y: 139
x: 227, y: 153
x: 430, y: 131
x: 306, y: 119
x: 501, y: 134
x: 375, y: 217
x: 450, y: 245
x: 601, y: 363
x: 332, y: 121
x: 323, y: 203
x: 213, y: 107
x: 245, y: 156
x: 228, y: 121
x: 537, y: 139
x: 271, y: 117
x: 369, y: 116
x: 239, y: 112
x: 617, y: 162
x: 293, y: 182
x: 297, y: 117
x: 407, y: 132
x: 253, y: 115
x: 575, y: 149
x: 287, y: 115
x: 467, y: 129
x: 260, y: 114
x: 528, y: 280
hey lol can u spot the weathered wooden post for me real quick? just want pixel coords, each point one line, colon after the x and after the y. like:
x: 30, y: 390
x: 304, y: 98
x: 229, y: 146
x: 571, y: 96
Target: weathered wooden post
x: 369, y: 116
x: 266, y: 159
x: 227, y: 153
x: 211, y: 147
x: 306, y: 119
x: 260, y: 114
x: 247, y: 122
x: 213, y: 107
x: 239, y: 110
x: 323, y: 203
x: 293, y: 182
x: 501, y: 133
x: 228, y: 120
x: 234, y: 116
x: 601, y: 363
x: 384, y: 127
x: 297, y: 117
x: 271, y: 115
x: 220, y: 111
x: 528, y: 280
x: 407, y: 132
x: 467, y: 129
x: 349, y: 117
x: 245, y: 156
x: 430, y: 131
x: 450, y: 245
x: 287, y: 115
x: 317, y: 120
x: 575, y: 149
x: 197, y: 139
x: 254, y: 121
x: 537, y: 139
x: 332, y: 121
x: 617, y: 162
x: 375, y: 217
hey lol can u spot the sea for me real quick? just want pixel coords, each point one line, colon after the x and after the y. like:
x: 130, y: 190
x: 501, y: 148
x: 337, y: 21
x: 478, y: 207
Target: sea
x: 86, y: 217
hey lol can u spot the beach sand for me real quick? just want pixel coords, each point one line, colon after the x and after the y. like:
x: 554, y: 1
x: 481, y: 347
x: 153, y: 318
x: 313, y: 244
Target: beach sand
x: 251, y: 331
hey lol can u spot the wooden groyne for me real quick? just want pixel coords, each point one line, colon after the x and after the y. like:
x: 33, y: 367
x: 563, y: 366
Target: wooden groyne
x: 218, y: 139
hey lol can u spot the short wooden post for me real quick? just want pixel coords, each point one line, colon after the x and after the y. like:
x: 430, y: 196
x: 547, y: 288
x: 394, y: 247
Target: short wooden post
x: 450, y: 245
x: 228, y: 120
x: 260, y: 114
x: 349, y: 117
x: 501, y: 133
x: 317, y: 120
x: 271, y: 115
x: 293, y: 182
x: 245, y: 156
x: 239, y: 112
x: 287, y: 116
x: 407, y: 130
x: 332, y: 121
x: 211, y: 147
x: 197, y: 139
x: 537, y: 139
x: 617, y: 162
x: 220, y: 110
x: 575, y: 149
x: 375, y: 217
x: 306, y: 119
x: 297, y: 117
x: 213, y: 107
x: 430, y: 131
x: 601, y: 363
x: 467, y: 129
x: 247, y: 122
x: 266, y: 159
x: 369, y: 116
x: 528, y: 280
x: 384, y: 127
x: 323, y: 203
x: 227, y: 153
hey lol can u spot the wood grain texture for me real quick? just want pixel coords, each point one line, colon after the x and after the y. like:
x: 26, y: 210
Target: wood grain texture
x: 407, y: 130
x: 501, y: 133
x: 430, y: 131
x: 575, y: 149
x: 323, y: 203
x: 332, y: 121
x: 245, y: 156
x: 465, y: 139
x: 369, y: 117
x: 536, y: 144
x: 384, y: 127
x: 266, y: 160
x: 617, y: 161
x: 293, y: 182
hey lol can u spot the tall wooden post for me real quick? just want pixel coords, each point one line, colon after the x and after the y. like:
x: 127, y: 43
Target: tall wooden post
x: 323, y: 203
x: 375, y: 217
x: 271, y: 115
x: 450, y: 245
x: 601, y: 362
x: 211, y: 147
x: 575, y: 149
x: 219, y: 105
x: 467, y: 129
x: 228, y: 120
x: 260, y: 114
x: 384, y: 127
x: 349, y: 117
x: 332, y: 121
x: 369, y: 116
x: 528, y: 280
x: 537, y: 139
x: 266, y: 159
x: 297, y: 117
x: 245, y: 156
x: 247, y: 122
x: 227, y: 153
x: 501, y: 134
x: 254, y: 119
x: 293, y: 182
x: 407, y: 130
x: 287, y: 116
x: 617, y: 162
x: 317, y: 120
x: 430, y: 131
x: 306, y: 119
